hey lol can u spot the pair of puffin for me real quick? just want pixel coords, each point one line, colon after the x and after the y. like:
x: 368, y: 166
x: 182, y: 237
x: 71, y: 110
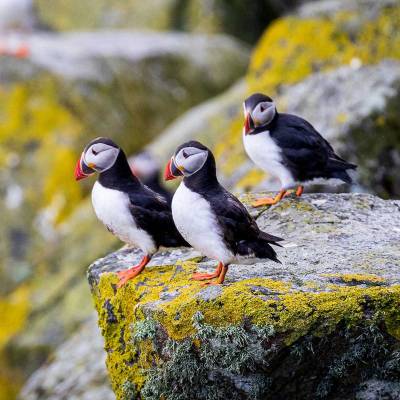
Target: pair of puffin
x: 203, y: 214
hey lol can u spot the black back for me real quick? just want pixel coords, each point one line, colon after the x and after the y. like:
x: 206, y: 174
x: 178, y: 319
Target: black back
x: 153, y: 182
x: 150, y: 210
x: 305, y: 152
x: 239, y: 229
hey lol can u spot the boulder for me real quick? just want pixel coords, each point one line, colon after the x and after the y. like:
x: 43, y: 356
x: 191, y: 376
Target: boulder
x: 324, y: 323
x: 352, y: 107
x: 17, y: 15
x: 76, y: 371
x: 319, y: 38
x: 127, y: 78
x: 211, y: 16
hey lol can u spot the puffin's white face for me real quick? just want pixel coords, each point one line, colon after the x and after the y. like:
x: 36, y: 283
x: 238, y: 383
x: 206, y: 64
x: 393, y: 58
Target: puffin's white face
x: 186, y: 162
x: 259, y: 110
x: 263, y: 113
x: 189, y: 160
x: 100, y: 156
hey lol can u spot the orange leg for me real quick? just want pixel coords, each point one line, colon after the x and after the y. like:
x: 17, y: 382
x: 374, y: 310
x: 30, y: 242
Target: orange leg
x: 221, y: 277
x: 202, y: 277
x: 299, y: 190
x: 268, y: 201
x: 125, y: 276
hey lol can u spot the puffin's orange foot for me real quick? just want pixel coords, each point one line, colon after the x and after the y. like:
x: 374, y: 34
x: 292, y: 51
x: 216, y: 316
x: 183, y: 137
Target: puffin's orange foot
x: 299, y: 190
x: 203, y: 277
x: 221, y: 277
x: 269, y: 201
x: 125, y: 276
x: 212, y: 283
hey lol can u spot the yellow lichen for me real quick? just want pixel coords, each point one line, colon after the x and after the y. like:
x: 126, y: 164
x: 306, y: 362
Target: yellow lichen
x: 42, y: 133
x: 14, y: 312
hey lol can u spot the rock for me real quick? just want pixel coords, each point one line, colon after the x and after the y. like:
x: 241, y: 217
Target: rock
x: 17, y: 15
x: 126, y: 76
x: 351, y: 107
x: 323, y: 323
x: 211, y: 16
x: 203, y: 122
x: 65, y: 90
x: 322, y: 37
x: 76, y: 371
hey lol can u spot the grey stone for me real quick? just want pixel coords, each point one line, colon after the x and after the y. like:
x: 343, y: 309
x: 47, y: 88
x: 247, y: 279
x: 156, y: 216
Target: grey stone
x: 77, y: 370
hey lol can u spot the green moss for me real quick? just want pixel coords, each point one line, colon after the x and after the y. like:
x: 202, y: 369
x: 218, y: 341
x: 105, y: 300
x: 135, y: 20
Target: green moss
x: 134, y: 319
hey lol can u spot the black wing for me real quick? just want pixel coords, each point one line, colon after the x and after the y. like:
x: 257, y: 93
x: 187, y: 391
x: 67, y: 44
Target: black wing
x: 236, y: 223
x: 306, y: 153
x: 153, y: 214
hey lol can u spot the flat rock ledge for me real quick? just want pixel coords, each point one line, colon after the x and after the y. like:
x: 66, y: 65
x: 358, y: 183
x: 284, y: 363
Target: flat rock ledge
x: 324, y: 324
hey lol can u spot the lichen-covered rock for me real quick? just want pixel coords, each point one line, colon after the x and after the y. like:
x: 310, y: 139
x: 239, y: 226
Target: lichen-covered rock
x: 68, y: 89
x: 76, y: 371
x: 345, y: 34
x: 206, y: 16
x: 354, y: 108
x: 320, y: 325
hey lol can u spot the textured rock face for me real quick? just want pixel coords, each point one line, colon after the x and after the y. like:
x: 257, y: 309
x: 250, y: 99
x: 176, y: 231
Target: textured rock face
x: 77, y: 370
x: 354, y: 108
x: 324, y: 323
x: 325, y: 37
x: 67, y: 89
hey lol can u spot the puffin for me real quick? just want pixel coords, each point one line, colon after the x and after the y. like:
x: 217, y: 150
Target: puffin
x: 288, y: 147
x: 146, y: 167
x: 130, y: 210
x: 211, y: 219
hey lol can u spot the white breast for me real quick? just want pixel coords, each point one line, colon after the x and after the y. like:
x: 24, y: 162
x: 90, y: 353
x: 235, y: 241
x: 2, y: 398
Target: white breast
x: 196, y: 222
x: 265, y: 153
x: 112, y: 209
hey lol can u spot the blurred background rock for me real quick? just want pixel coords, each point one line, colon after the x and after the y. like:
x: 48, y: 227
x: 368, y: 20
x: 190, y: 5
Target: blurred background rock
x: 151, y: 74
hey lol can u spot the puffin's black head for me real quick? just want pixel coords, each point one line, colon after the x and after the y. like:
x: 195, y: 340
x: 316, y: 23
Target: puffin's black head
x: 188, y: 159
x: 259, y: 110
x: 98, y: 156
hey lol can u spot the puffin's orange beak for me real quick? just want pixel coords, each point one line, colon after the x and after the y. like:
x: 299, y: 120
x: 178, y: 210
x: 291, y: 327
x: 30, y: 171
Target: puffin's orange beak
x: 247, y: 126
x: 168, y: 175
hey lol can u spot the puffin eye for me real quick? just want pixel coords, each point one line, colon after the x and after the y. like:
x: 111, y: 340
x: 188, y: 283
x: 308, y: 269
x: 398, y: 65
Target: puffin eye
x: 262, y: 108
x: 95, y: 152
x: 185, y: 155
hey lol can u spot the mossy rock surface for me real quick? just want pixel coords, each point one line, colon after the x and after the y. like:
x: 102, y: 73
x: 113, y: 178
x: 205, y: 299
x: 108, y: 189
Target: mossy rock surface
x: 319, y: 325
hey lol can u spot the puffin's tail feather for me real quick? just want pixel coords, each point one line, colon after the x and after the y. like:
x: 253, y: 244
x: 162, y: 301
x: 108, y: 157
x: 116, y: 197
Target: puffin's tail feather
x: 338, y: 167
x: 270, y: 238
x: 258, y: 248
